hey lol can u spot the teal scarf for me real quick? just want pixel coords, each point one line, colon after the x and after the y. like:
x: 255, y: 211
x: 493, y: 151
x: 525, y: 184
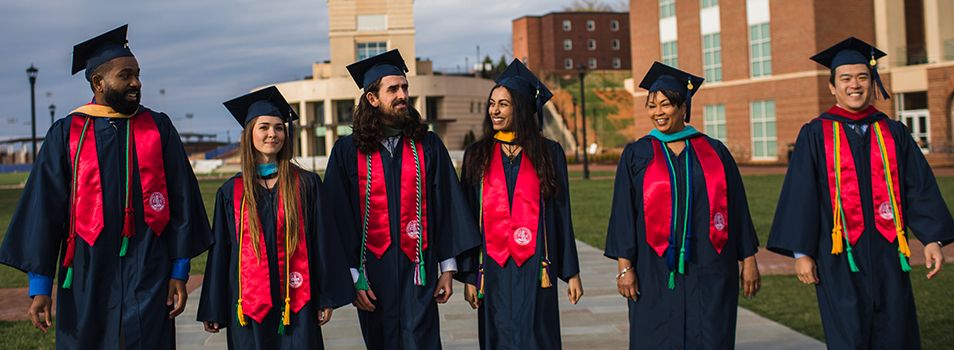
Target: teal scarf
x: 685, y: 133
x: 267, y: 169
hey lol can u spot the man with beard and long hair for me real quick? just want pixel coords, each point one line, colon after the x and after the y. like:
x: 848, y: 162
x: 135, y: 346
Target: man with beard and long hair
x: 399, y: 209
x: 113, y: 187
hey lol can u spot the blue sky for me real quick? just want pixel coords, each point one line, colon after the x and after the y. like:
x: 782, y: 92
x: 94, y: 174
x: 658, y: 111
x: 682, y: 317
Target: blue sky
x: 203, y: 52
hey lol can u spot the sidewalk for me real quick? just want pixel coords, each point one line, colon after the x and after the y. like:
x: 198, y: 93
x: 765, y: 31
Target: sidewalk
x: 598, y: 322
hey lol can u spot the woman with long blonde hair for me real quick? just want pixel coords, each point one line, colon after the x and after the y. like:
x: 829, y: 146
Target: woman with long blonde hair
x: 275, y: 272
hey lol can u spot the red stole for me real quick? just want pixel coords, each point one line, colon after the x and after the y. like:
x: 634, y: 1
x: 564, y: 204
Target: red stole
x: 658, y: 202
x: 87, y: 187
x: 379, y: 224
x: 847, y: 181
x: 255, y: 281
x: 510, y: 232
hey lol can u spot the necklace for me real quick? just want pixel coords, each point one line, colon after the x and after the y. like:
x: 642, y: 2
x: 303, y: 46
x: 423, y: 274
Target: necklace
x: 510, y: 150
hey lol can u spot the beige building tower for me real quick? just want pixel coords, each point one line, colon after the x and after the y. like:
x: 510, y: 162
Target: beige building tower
x: 358, y: 29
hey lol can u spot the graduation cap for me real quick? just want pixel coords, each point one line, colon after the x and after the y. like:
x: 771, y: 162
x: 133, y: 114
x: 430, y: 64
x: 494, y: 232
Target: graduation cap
x: 518, y: 78
x: 94, y: 52
x: 853, y: 51
x: 371, y: 69
x: 663, y: 77
x: 268, y: 101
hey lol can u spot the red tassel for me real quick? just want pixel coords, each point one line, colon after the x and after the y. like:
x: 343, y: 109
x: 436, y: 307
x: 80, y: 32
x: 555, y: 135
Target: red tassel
x: 129, y: 224
x: 70, y: 250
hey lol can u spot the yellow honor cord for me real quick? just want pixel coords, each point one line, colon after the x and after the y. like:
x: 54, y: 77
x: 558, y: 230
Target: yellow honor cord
x: 899, y: 229
x: 238, y: 309
x: 836, y: 231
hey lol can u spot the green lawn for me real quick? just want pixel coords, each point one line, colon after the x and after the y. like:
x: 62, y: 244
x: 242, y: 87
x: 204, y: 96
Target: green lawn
x: 782, y: 299
x: 13, y: 178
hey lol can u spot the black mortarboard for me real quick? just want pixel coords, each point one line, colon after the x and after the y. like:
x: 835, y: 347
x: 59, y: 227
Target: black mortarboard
x: 94, y: 52
x: 663, y: 77
x: 853, y: 51
x: 371, y: 69
x: 521, y: 80
x: 268, y: 101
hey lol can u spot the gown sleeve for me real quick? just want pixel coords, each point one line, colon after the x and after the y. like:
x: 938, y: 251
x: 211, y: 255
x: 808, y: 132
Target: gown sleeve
x: 566, y: 241
x: 38, y: 225
x: 796, y: 224
x: 455, y: 225
x: 339, y: 201
x: 740, y: 219
x: 468, y: 262
x: 215, y: 303
x: 627, y: 203
x: 924, y: 210
x: 333, y: 288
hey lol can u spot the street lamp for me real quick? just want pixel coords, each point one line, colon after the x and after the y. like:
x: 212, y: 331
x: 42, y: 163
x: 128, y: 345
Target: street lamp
x: 586, y: 163
x: 576, y: 132
x: 31, y: 72
x: 52, y: 113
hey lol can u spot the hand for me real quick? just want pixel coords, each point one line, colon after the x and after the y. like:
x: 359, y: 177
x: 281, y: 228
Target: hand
x: 575, y: 290
x: 211, y: 327
x: 445, y: 287
x: 364, y: 300
x: 626, y: 285
x: 470, y: 294
x: 806, y: 271
x: 177, y: 296
x: 933, y: 259
x: 39, y: 312
x: 324, y: 315
x: 751, y: 281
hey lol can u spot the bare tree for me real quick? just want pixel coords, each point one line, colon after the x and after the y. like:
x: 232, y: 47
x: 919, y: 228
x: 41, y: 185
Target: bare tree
x: 596, y: 6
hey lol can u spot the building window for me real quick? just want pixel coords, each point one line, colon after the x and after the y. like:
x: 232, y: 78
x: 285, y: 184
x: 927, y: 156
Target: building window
x: 591, y: 44
x: 567, y: 25
x: 667, y: 8
x: 713, y: 122
x: 372, y: 23
x: 434, y: 105
x: 913, y: 112
x: 617, y: 63
x: 567, y: 45
x: 614, y: 44
x: 568, y: 63
x: 709, y: 3
x: 590, y: 25
x: 343, y: 111
x: 670, y: 54
x: 592, y: 63
x: 712, y: 57
x: 365, y: 50
x: 760, y: 50
x: 762, y: 114
x: 614, y: 25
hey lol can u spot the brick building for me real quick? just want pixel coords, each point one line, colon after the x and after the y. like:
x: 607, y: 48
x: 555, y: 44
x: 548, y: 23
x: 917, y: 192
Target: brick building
x: 761, y: 86
x: 558, y: 42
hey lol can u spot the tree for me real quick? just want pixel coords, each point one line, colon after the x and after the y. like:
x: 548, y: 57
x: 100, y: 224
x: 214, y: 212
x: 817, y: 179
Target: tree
x: 595, y: 6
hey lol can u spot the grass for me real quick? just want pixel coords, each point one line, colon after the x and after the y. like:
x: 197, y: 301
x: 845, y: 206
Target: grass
x: 783, y: 299
x: 13, y: 178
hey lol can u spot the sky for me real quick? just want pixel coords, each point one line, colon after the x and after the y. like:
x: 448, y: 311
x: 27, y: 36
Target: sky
x: 195, y: 54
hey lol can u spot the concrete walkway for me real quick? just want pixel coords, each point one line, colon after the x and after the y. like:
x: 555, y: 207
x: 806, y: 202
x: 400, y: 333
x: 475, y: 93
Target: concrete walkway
x: 598, y: 322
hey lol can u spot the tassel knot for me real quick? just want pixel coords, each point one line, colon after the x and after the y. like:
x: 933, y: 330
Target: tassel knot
x: 545, y: 274
x: 903, y: 243
x: 837, y: 245
x: 240, y: 314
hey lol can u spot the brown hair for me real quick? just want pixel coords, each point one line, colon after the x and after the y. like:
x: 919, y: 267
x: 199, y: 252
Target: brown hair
x: 367, y: 122
x: 287, y: 187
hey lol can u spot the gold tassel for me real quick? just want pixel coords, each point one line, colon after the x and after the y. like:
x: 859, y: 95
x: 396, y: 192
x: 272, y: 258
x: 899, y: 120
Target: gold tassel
x: 286, y: 317
x: 837, y: 240
x: 545, y: 279
x: 903, y: 243
x: 241, y: 314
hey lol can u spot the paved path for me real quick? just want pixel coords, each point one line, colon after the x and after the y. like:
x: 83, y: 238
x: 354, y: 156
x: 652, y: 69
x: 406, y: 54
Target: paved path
x: 598, y: 322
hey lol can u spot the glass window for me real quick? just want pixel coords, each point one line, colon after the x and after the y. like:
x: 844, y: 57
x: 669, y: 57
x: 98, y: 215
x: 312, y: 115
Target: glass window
x: 712, y: 57
x: 760, y: 50
x: 614, y: 44
x: 764, y: 141
x: 343, y: 111
x: 567, y: 25
x: 590, y: 25
x: 709, y: 3
x: 713, y: 121
x: 365, y: 50
x: 617, y: 63
x: 614, y: 25
x: 667, y: 8
x: 592, y: 63
x: 568, y: 63
x: 567, y: 45
x: 591, y: 44
x: 670, y: 54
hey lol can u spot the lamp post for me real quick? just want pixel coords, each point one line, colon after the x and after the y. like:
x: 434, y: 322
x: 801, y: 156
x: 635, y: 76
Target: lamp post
x: 576, y: 132
x: 31, y: 73
x: 586, y: 162
x: 52, y: 113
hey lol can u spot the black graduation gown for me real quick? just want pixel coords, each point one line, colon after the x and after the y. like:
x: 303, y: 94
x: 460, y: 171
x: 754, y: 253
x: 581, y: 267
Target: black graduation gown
x: 700, y: 313
x: 405, y: 315
x: 109, y: 294
x: 331, y: 285
x: 875, y: 306
x: 516, y: 312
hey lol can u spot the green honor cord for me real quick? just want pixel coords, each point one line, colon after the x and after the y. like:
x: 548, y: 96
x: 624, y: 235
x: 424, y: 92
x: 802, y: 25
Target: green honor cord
x: 682, y: 251
x: 125, y: 244
x: 362, y: 283
x: 68, y: 280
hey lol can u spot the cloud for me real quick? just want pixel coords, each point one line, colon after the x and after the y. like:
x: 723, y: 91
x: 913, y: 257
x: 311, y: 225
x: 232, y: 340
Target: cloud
x: 204, y: 52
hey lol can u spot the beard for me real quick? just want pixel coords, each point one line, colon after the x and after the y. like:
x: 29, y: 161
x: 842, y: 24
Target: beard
x: 117, y: 100
x: 398, y: 118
